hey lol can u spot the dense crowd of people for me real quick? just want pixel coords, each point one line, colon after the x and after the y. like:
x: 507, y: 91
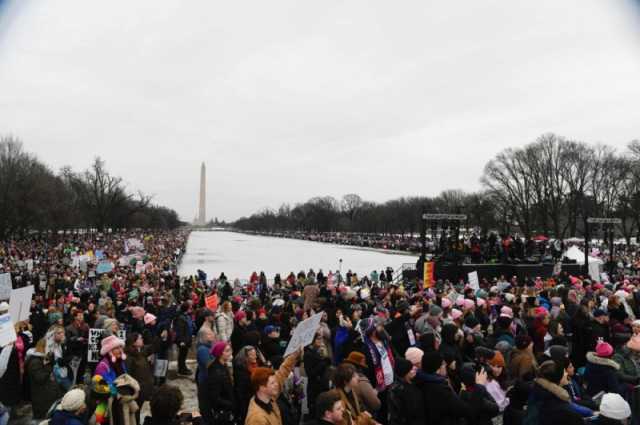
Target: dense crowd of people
x: 476, y: 247
x: 541, y: 351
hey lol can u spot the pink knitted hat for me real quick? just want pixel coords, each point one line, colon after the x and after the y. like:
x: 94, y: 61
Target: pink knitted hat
x: 218, y: 348
x: 456, y: 314
x: 148, y: 318
x: 480, y: 302
x: 414, y: 355
x: 506, y: 312
x: 469, y: 304
x: 109, y: 343
x: 446, y: 303
x: 604, y: 349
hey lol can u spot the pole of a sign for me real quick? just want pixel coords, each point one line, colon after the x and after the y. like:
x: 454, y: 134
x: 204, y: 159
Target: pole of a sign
x: 586, y: 247
x: 423, y: 242
x: 611, y: 266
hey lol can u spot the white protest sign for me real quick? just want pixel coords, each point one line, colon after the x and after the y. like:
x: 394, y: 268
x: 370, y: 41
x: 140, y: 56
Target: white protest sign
x: 594, y: 269
x: 5, y: 286
x: 303, y: 334
x: 20, y: 303
x: 474, y: 282
x: 95, y: 337
x: 7, y: 331
x: 29, y: 265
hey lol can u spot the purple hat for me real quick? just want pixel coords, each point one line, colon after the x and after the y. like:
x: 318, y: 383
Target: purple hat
x: 218, y: 348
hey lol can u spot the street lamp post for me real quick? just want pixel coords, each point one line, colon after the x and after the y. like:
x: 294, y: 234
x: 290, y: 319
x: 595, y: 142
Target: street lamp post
x: 450, y: 221
x: 608, y: 225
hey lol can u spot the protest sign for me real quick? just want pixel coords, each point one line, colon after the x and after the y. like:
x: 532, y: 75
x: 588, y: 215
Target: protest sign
x: 20, y: 303
x: 7, y: 331
x: 29, y: 265
x: 104, y: 267
x: 428, y: 280
x: 134, y: 294
x: 95, y: 337
x: 135, y: 244
x: 474, y: 281
x: 99, y: 254
x: 212, y: 302
x: 139, y: 267
x: 5, y: 286
x: 303, y: 334
x: 594, y: 269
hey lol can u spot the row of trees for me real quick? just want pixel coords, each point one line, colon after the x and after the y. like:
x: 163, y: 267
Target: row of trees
x: 352, y: 214
x: 549, y: 187
x: 33, y: 197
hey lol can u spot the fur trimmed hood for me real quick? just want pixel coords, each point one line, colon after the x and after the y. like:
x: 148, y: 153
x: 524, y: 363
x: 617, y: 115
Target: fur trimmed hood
x: 554, y: 389
x: 602, y: 361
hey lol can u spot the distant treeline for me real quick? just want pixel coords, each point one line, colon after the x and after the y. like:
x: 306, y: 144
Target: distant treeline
x: 35, y: 198
x: 547, y: 187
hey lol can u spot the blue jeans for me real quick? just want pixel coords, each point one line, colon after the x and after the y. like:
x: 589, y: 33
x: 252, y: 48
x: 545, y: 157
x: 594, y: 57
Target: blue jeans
x: 4, y: 418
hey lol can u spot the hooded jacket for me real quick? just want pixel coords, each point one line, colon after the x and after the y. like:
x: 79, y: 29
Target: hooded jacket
x: 601, y: 374
x: 549, y: 404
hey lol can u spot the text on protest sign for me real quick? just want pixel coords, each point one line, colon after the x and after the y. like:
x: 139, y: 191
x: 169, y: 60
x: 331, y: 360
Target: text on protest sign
x: 7, y: 331
x: 303, y: 334
x: 95, y: 337
x: 20, y: 303
x: 211, y: 302
x: 5, y: 286
x: 474, y: 281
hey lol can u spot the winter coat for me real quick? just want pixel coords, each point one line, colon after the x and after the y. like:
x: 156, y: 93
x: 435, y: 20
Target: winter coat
x: 44, y: 388
x: 549, y: 404
x: 443, y: 406
x: 405, y: 404
x: 310, y: 295
x: 237, y: 338
x: 315, y: 367
x: 107, y: 370
x: 139, y: 368
x: 256, y: 415
x: 224, y: 326
x: 482, y: 404
x: 62, y: 417
x: 522, y: 363
x: 73, y: 339
x: 271, y: 347
x: 203, y: 358
x: 601, y: 374
x: 220, y: 393
x: 243, y: 391
x: 183, y: 328
x: 10, y: 382
x: 399, y: 329
x: 367, y: 394
x: 629, y: 369
x: 518, y: 396
x: 353, y: 413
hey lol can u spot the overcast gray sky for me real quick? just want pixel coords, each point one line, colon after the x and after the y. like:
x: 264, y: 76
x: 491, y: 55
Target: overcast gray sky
x: 285, y: 100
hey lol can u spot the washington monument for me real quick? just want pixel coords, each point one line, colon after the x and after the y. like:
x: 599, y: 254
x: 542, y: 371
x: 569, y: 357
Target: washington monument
x: 201, y: 220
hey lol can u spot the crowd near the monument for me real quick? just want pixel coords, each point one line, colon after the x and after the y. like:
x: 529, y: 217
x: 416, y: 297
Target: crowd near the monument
x: 563, y: 350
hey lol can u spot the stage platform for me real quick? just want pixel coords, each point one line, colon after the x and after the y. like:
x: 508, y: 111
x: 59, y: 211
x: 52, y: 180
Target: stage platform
x: 489, y: 271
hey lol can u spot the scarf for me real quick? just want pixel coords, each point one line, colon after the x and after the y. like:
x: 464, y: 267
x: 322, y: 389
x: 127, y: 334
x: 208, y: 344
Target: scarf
x: 377, y: 362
